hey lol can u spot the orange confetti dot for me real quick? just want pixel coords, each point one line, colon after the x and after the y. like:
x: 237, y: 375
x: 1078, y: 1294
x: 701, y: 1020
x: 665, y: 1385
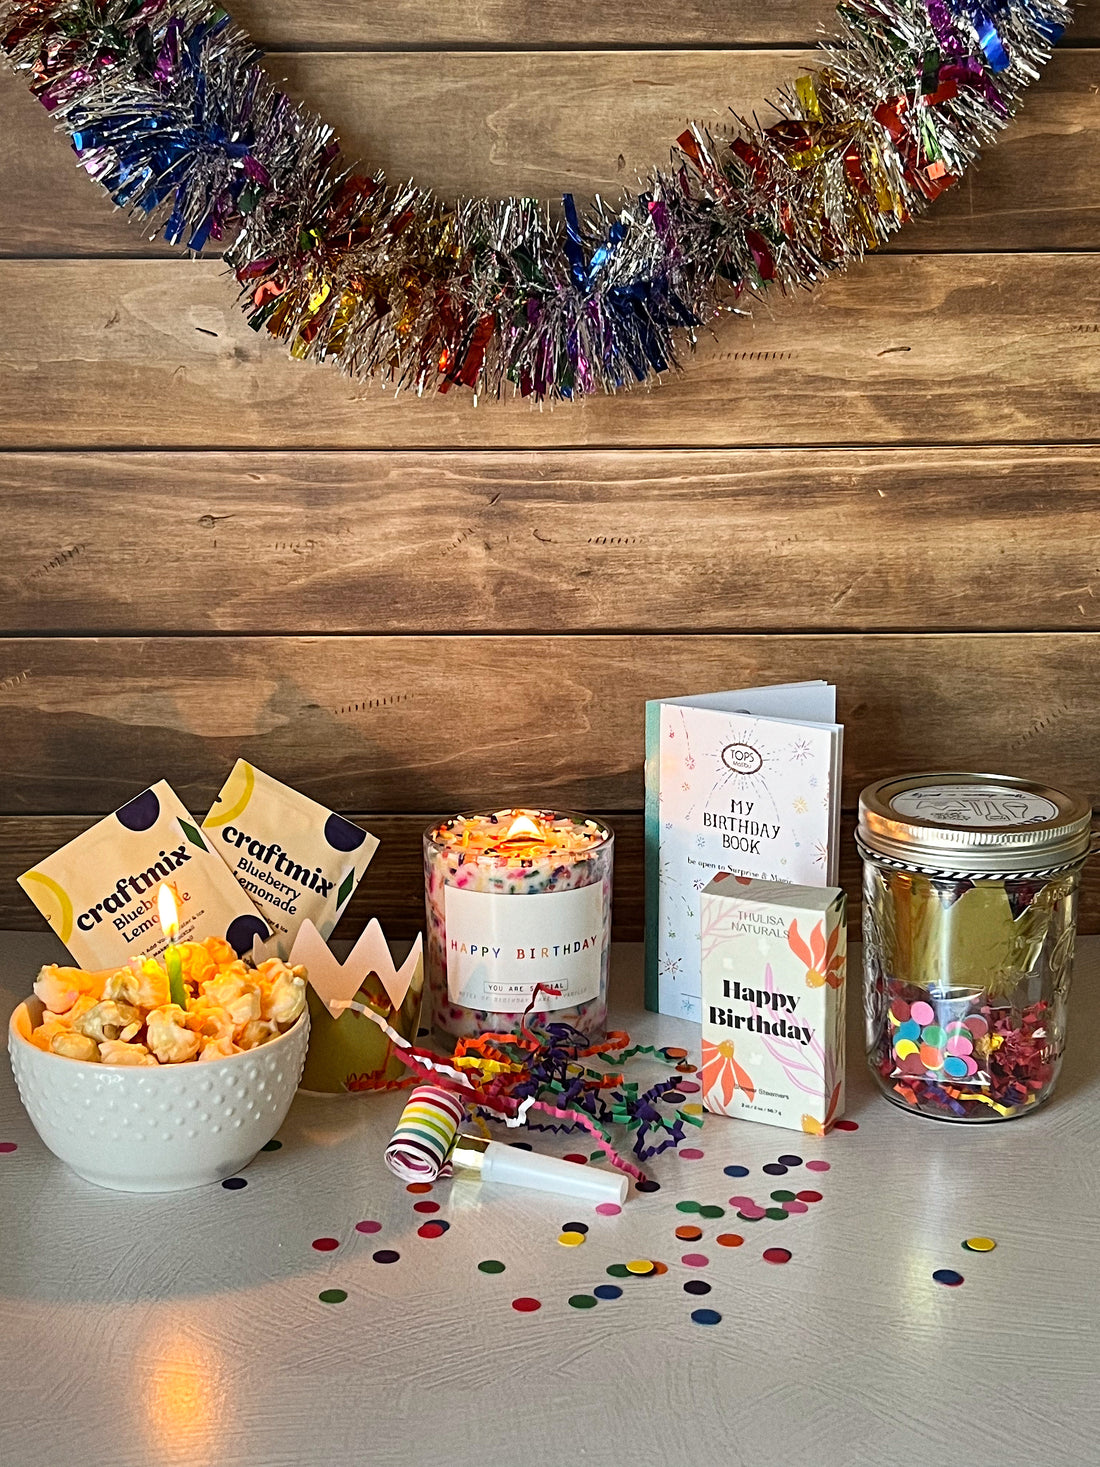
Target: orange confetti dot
x: 729, y: 1240
x: 419, y: 1187
x: 688, y: 1234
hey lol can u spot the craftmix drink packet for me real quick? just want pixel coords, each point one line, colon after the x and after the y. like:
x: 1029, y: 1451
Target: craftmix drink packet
x: 773, y: 979
x: 294, y: 858
x: 99, y: 893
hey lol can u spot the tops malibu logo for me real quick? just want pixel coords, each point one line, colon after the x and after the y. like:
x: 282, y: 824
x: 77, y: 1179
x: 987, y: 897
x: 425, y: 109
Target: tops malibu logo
x: 742, y: 758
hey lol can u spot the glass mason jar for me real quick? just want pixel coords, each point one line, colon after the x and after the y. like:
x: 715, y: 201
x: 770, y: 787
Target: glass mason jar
x: 969, y: 918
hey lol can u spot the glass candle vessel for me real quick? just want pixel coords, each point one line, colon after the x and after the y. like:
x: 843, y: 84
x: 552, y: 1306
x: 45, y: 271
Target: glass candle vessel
x: 969, y: 918
x: 517, y: 898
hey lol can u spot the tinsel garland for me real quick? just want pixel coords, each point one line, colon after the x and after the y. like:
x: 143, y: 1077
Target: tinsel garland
x: 169, y: 110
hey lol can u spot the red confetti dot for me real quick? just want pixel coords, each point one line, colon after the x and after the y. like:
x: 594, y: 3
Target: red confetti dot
x: 6, y: 1146
x: 817, y: 1166
x: 526, y: 1306
x: 691, y: 1153
x: 776, y: 1255
x: 431, y: 1230
x: 847, y: 1125
x: 425, y: 1207
x: 419, y: 1187
x: 368, y: 1225
x: 577, y: 1157
x: 326, y: 1245
x: 808, y: 1196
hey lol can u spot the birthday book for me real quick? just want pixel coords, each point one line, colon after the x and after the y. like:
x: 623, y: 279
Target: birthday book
x: 747, y: 782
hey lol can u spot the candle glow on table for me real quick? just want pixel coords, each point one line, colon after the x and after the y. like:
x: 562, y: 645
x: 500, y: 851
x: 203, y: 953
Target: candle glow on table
x: 517, y: 898
x: 168, y: 913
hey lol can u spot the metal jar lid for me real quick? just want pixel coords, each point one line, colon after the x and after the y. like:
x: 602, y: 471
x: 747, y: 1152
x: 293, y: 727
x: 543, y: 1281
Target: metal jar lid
x: 979, y: 824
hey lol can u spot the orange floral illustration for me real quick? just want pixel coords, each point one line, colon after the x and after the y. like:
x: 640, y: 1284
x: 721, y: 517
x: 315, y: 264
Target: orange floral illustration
x: 823, y: 963
x: 721, y: 1074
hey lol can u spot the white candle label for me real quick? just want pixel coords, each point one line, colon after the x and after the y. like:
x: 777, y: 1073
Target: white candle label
x: 499, y: 947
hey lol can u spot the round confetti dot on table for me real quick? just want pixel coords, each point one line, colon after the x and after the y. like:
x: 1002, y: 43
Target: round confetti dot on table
x: 526, y: 1306
x: 948, y: 1276
x: 776, y: 1255
x: 416, y: 1187
x: 922, y: 1013
x: 774, y: 1169
x: 675, y: 1053
x: 789, y: 1160
x: 736, y: 1171
x: 490, y: 1265
x: 618, y: 1271
x: 595, y: 1156
x: 332, y: 1296
x: 574, y: 1227
x: 818, y: 1166
x: 691, y: 1153
x: 571, y: 1240
x: 742, y: 1202
x: 386, y: 1255
x: 689, y: 1087
x: 809, y: 1195
x: 706, y: 1316
x: 326, y: 1245
x: 640, y: 1266
x: 752, y: 1213
x: 608, y: 1291
x: 582, y: 1301
x: 795, y: 1206
x: 272, y: 1145
x: 729, y: 1240
x: 368, y: 1225
x: 686, y: 1069
x: 687, y: 1206
x: 520, y: 1145
x: 425, y: 1207
x: 847, y: 1125
x: 234, y: 1184
x: 693, y: 1109
x: 697, y: 1286
x: 672, y: 1097
x: 658, y: 1269
x: 688, y: 1234
x: 608, y: 1209
x: 712, y: 1210
x: 647, y: 1184
x: 695, y: 1260
x: 783, y: 1195
x: 979, y: 1245
x: 576, y: 1157
x: 434, y: 1229
x: 776, y: 1214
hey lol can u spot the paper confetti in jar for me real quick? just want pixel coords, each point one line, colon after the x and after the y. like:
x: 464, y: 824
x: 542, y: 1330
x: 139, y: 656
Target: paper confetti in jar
x: 517, y: 898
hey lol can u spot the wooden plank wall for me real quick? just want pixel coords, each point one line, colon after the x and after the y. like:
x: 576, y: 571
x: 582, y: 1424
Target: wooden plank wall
x: 407, y: 607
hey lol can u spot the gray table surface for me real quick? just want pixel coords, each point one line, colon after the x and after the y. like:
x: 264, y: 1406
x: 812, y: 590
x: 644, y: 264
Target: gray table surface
x: 188, y: 1329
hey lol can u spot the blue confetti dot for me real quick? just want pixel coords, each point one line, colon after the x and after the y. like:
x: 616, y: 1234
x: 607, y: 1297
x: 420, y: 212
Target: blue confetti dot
x: 948, y: 1276
x: 736, y: 1171
x: 234, y: 1184
x: 706, y: 1316
x: 608, y: 1291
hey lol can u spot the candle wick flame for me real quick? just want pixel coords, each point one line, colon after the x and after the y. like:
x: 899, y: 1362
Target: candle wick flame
x: 523, y: 827
x: 168, y: 912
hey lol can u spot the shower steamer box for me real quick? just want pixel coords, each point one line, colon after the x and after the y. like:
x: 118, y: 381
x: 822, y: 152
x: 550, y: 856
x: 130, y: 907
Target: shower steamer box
x: 773, y: 977
x: 99, y: 893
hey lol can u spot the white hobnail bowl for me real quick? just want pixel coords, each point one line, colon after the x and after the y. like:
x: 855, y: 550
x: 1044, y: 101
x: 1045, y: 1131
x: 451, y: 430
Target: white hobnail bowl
x: 163, y: 1129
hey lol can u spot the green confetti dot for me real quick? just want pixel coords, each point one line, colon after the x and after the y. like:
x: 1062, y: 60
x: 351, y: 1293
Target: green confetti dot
x: 619, y: 1271
x: 688, y: 1207
x: 332, y: 1296
x: 595, y: 1156
x: 782, y: 1196
x: 776, y: 1213
x: 582, y: 1301
x: 272, y: 1145
x: 712, y: 1210
x: 491, y: 1265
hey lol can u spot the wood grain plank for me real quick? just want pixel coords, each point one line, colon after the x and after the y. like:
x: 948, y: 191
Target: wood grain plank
x: 569, y: 22
x: 536, y: 542
x: 450, y: 722
x: 539, y: 123
x: 969, y: 348
x: 392, y: 890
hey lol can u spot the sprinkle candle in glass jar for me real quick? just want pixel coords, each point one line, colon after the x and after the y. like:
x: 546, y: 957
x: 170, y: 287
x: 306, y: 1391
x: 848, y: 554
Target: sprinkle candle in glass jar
x: 517, y: 898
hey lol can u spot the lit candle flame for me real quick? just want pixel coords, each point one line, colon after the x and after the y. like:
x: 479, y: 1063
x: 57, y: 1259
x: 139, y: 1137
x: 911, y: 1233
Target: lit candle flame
x: 168, y: 911
x: 523, y: 828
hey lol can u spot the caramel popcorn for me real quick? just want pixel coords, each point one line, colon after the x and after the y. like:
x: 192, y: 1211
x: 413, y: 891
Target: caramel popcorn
x: 123, y: 1016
